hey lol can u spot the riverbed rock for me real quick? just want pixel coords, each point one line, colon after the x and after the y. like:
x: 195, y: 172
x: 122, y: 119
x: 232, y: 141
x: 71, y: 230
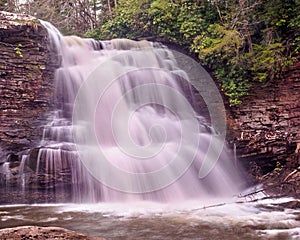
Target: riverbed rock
x: 41, y: 233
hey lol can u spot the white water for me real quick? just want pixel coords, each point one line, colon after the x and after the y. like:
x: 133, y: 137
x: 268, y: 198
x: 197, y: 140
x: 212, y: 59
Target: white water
x: 135, y: 126
x: 264, y: 219
x: 126, y: 128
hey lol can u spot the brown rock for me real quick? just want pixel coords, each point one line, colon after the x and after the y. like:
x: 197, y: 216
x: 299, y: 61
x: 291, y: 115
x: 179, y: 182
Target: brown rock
x: 26, y: 82
x: 41, y: 233
x: 292, y: 204
x: 266, y: 126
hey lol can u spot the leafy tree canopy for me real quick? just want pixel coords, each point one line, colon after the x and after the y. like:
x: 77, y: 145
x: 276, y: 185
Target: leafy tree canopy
x: 241, y: 41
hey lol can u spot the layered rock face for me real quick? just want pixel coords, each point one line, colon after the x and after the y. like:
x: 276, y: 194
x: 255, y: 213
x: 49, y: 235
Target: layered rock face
x: 266, y: 127
x: 26, y: 83
x: 41, y: 233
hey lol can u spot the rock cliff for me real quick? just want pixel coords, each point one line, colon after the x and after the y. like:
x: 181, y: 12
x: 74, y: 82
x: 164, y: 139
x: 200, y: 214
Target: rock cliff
x: 26, y: 82
x: 266, y: 127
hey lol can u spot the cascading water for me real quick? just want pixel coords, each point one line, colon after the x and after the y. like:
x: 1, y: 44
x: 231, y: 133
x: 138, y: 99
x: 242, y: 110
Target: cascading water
x: 126, y: 126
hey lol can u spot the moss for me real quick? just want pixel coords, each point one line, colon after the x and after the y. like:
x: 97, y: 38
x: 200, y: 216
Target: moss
x: 30, y: 75
x: 18, y: 51
x: 30, y: 21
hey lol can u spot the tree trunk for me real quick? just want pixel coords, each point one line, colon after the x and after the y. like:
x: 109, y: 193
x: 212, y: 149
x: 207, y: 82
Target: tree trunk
x: 109, y: 7
x: 95, y: 10
x: 246, y: 23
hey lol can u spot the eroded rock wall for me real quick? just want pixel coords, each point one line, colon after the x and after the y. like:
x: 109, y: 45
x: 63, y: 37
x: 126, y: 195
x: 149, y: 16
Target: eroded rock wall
x: 39, y: 233
x: 26, y: 82
x: 266, y: 127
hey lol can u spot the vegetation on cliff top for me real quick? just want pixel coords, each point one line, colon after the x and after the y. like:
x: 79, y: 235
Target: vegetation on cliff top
x: 240, y: 41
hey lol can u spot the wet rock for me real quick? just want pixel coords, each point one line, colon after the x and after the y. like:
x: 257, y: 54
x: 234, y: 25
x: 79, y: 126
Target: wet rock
x: 12, y: 158
x: 283, y: 181
x: 41, y: 233
x: 292, y: 204
x: 21, y: 184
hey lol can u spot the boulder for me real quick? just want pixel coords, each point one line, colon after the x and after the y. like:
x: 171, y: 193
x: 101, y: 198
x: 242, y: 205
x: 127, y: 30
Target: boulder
x: 41, y: 233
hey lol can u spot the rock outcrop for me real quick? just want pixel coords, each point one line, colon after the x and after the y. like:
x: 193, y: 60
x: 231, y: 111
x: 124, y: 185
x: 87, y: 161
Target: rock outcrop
x: 266, y: 127
x: 41, y: 233
x: 26, y: 83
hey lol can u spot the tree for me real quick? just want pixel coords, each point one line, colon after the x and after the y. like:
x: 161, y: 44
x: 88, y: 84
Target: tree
x: 9, y: 5
x: 70, y: 16
x: 241, y: 41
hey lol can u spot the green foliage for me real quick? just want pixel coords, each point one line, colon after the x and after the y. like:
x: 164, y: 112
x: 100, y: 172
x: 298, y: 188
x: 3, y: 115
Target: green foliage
x: 94, y: 33
x: 219, y: 48
x: 181, y: 21
x: 130, y: 19
x: 217, y: 39
x: 266, y: 62
x: 278, y: 167
x: 164, y: 16
x: 194, y: 19
x: 241, y: 42
x: 279, y: 14
x: 233, y: 83
x: 30, y: 75
x: 18, y: 50
x: 294, y: 26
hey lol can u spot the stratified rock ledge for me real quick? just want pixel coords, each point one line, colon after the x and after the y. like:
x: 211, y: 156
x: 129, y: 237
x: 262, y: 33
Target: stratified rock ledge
x: 27, y: 66
x: 41, y: 233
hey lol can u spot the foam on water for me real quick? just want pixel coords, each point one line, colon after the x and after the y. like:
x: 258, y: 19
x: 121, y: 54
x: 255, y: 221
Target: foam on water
x: 293, y: 233
x: 152, y: 220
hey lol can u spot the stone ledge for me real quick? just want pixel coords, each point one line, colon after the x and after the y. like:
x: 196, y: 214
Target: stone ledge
x: 41, y: 233
x: 26, y: 82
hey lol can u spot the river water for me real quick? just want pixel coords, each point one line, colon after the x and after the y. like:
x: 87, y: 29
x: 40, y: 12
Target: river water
x: 261, y: 219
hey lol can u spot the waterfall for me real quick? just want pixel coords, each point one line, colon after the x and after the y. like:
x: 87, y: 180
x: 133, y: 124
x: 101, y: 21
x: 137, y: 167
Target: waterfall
x: 126, y: 126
